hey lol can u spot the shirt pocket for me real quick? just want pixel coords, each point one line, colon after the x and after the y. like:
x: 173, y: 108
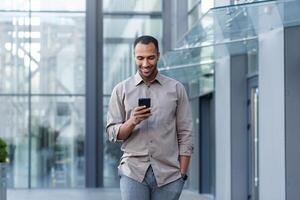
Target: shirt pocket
x: 167, y: 111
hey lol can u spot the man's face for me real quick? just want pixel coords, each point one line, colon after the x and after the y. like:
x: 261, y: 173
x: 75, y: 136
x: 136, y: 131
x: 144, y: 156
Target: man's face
x: 146, y: 57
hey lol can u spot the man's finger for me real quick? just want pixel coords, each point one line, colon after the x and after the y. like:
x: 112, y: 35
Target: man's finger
x: 144, y: 116
x: 139, y: 108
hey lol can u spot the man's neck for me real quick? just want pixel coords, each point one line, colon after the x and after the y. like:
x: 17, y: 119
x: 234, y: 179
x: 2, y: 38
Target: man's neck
x: 149, y: 80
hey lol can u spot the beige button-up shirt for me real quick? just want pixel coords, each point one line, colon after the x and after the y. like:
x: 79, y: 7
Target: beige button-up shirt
x: 160, y: 139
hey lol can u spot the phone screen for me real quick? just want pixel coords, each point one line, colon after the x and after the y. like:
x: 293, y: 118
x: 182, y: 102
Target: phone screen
x: 145, y: 102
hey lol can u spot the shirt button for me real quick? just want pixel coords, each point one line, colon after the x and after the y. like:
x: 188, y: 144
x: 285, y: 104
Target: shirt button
x: 150, y: 141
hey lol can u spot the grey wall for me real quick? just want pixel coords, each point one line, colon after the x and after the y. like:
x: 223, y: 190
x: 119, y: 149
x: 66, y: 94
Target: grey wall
x: 238, y: 92
x: 194, y: 162
x: 271, y: 116
x: 292, y: 112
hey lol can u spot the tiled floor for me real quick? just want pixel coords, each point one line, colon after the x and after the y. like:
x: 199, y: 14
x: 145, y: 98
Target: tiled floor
x: 81, y: 194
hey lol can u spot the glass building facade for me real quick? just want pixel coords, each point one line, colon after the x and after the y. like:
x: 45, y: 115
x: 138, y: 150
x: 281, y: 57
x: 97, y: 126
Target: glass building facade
x: 42, y: 92
x: 238, y: 60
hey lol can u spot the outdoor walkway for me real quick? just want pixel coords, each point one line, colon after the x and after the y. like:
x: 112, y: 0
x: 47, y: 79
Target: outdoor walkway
x: 81, y: 194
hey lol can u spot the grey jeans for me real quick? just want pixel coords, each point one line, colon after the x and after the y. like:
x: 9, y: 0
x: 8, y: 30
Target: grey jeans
x: 148, y: 190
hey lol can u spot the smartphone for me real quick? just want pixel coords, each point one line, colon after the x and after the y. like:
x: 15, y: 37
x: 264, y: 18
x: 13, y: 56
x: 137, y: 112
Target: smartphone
x: 145, y: 102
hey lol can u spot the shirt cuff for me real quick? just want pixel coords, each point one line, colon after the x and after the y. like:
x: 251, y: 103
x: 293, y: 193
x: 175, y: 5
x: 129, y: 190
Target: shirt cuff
x: 113, y: 133
x: 186, y: 150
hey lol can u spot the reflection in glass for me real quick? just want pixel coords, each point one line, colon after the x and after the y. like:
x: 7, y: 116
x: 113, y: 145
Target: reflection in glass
x: 56, y: 5
x: 192, y: 3
x: 20, y: 5
x: 129, y: 28
x: 132, y: 5
x: 43, y: 53
x: 14, y: 57
x: 58, y: 53
x: 112, y: 155
x: 119, y: 62
x: 194, y: 15
x: 194, y: 67
x: 14, y: 130
x: 58, y: 142
x: 40, y: 5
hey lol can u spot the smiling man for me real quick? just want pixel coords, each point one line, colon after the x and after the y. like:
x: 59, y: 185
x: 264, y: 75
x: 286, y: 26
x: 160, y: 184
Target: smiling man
x: 157, y: 140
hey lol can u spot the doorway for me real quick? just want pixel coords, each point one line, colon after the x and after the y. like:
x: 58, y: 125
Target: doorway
x: 253, y: 139
x: 207, y: 144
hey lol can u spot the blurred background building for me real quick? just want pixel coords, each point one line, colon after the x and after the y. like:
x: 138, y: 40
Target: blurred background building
x: 238, y: 59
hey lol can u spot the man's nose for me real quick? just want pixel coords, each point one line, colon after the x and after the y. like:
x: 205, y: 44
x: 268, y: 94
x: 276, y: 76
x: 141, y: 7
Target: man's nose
x: 145, y: 63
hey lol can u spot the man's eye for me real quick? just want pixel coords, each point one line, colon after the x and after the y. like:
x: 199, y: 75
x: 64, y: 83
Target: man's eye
x: 151, y: 58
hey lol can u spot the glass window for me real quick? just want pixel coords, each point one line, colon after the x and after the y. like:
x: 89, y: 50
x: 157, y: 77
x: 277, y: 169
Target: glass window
x: 192, y: 3
x: 58, y: 53
x: 118, y: 63
x: 42, y: 92
x: 40, y: 5
x: 132, y: 27
x: 252, y: 62
x: 56, y: 5
x: 14, y: 130
x: 194, y: 16
x: 14, y: 5
x: 58, y: 133
x: 132, y: 5
x: 14, y: 59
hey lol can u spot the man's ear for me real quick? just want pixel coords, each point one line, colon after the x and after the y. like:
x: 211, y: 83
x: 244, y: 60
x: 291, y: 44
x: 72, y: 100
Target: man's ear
x: 158, y: 55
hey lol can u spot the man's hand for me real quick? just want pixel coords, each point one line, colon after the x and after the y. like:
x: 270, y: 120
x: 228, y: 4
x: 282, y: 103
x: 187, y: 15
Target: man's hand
x: 139, y: 114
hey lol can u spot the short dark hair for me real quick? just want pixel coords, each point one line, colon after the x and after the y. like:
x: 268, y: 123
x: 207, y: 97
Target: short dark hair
x: 146, y: 39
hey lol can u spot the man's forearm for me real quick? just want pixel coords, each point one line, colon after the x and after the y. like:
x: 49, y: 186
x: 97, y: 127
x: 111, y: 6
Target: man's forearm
x: 125, y: 130
x: 184, y: 163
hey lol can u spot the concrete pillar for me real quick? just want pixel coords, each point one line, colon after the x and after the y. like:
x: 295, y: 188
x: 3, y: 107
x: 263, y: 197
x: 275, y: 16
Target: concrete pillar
x: 271, y: 115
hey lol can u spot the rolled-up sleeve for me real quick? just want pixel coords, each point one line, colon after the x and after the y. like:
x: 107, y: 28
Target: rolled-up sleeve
x: 115, y: 114
x: 184, y: 123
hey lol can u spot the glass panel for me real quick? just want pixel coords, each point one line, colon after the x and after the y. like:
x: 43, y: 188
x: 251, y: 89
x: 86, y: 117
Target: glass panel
x: 192, y: 3
x: 14, y: 129
x: 241, y: 22
x: 58, y: 136
x: 56, y: 5
x: 14, y: 5
x: 194, y: 16
x: 14, y: 56
x: 38, y: 5
x: 198, y: 10
x: 253, y: 62
x: 132, y: 5
x: 112, y: 155
x: 119, y: 58
x: 193, y: 67
x: 132, y: 27
x: 58, y: 53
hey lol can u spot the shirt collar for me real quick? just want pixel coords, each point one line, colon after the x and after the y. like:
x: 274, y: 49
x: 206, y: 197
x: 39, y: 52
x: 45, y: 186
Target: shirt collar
x: 138, y: 79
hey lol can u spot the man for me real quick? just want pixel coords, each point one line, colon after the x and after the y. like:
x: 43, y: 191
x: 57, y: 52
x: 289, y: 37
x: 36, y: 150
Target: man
x: 157, y: 140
